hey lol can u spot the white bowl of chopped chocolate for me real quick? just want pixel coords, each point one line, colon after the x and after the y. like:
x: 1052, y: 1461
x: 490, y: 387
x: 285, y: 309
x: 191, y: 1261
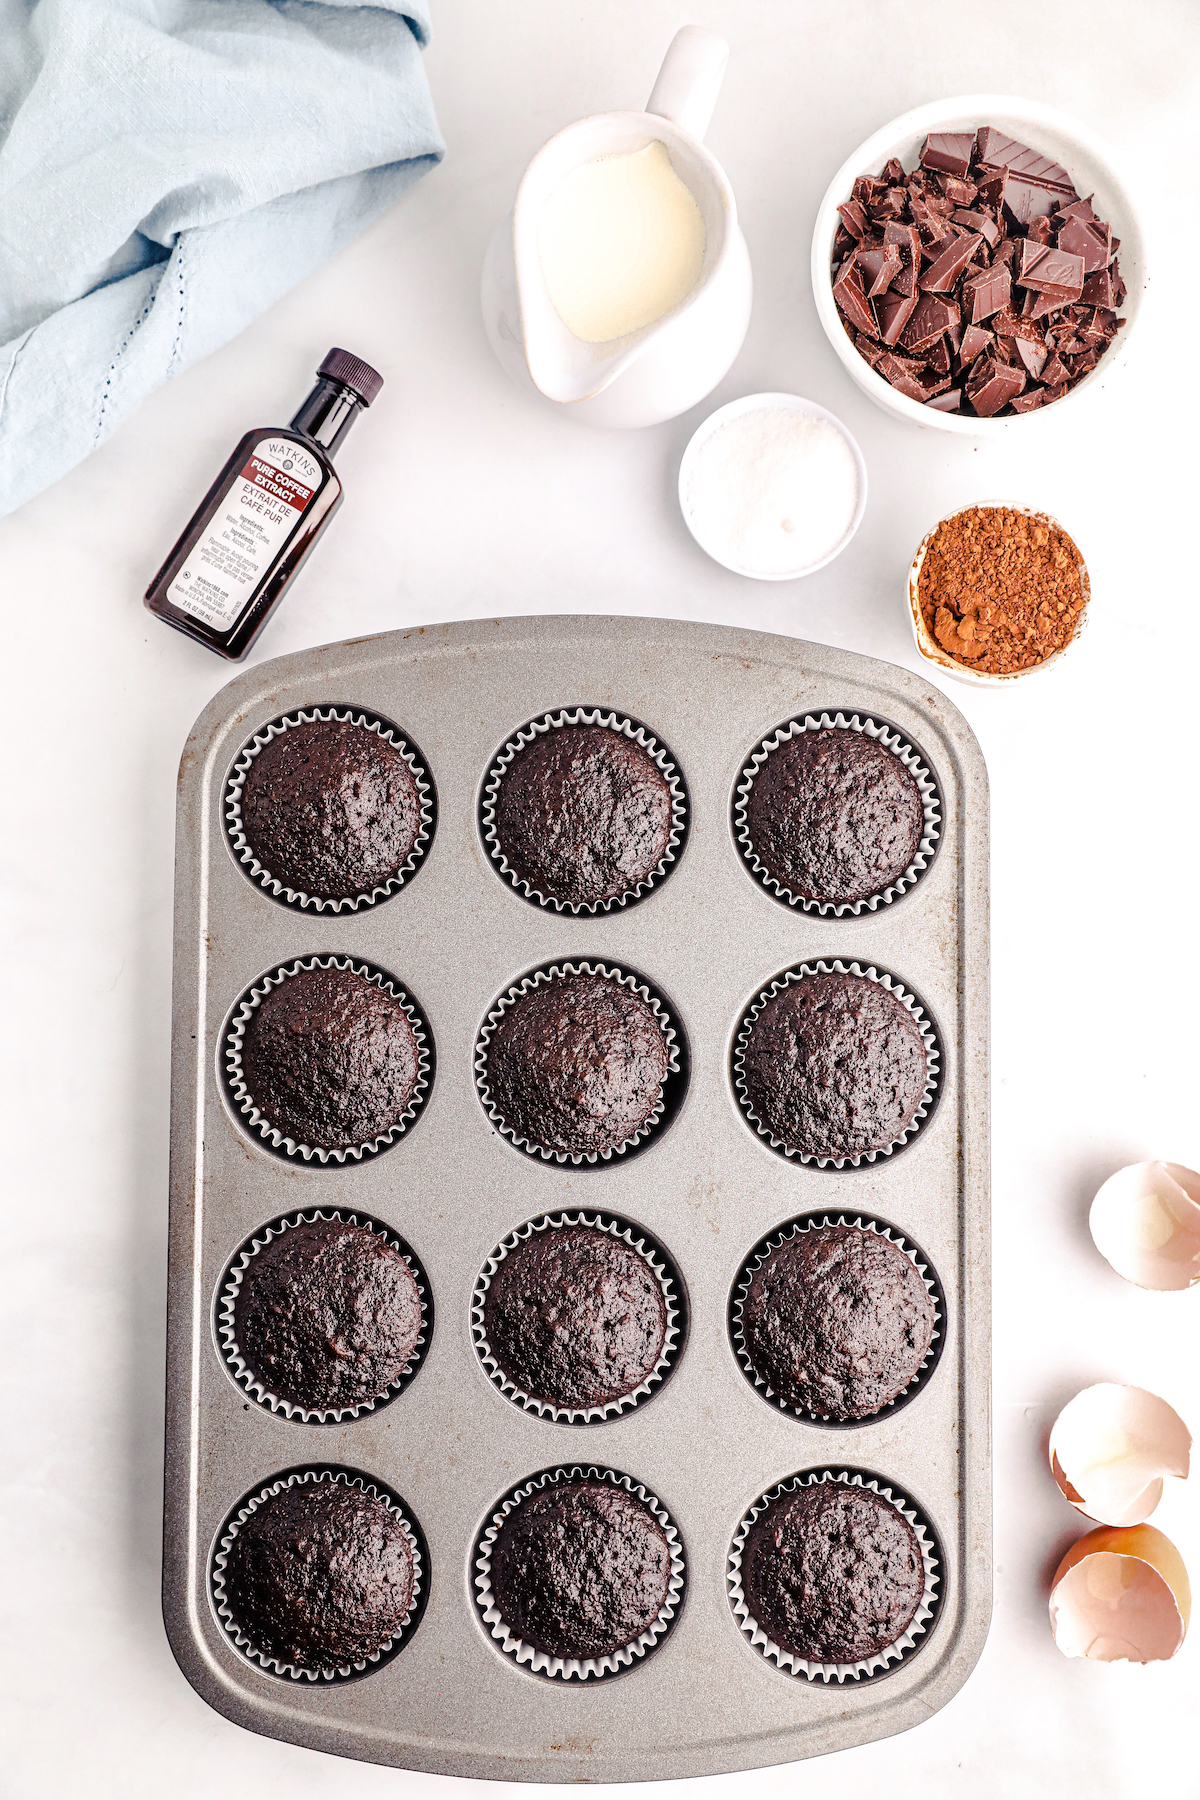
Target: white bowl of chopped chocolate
x: 976, y: 261
x: 996, y: 591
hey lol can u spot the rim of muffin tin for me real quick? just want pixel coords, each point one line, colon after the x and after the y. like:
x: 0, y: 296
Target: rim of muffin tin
x: 540, y: 1662
x: 674, y: 1084
x: 260, y: 875
x: 910, y: 1640
x: 811, y: 1221
x: 238, y: 1093
x: 902, y: 747
x: 670, y: 1285
x: 225, y: 1305
x: 624, y: 725
x: 316, y: 1473
x: 934, y: 1062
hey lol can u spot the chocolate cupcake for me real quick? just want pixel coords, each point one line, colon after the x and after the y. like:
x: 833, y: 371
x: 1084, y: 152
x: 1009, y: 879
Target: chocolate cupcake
x: 317, y: 1576
x: 329, y: 809
x: 831, y: 816
x: 580, y: 1569
x: 832, y: 1572
x: 573, y: 1063
x: 835, y: 1321
x: 328, y: 1058
x: 323, y: 1315
x: 582, y: 814
x: 832, y: 1065
x: 574, y: 1317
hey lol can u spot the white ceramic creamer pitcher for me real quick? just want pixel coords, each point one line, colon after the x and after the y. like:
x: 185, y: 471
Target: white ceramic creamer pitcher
x: 665, y: 368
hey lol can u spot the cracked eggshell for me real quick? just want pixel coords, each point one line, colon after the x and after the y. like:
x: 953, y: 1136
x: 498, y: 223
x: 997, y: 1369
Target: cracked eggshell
x: 1121, y: 1594
x: 1110, y: 1448
x: 1146, y: 1221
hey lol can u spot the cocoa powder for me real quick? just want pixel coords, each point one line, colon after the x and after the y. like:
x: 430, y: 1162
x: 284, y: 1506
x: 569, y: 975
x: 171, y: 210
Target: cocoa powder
x: 1001, y: 590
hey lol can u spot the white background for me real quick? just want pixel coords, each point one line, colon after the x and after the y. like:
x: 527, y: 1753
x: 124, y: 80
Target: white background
x: 464, y: 499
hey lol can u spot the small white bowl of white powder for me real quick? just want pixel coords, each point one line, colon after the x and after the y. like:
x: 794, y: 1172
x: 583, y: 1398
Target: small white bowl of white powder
x: 772, y: 486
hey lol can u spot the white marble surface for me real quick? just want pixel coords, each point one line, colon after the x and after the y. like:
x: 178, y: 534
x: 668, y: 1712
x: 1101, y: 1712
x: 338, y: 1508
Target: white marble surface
x: 464, y: 499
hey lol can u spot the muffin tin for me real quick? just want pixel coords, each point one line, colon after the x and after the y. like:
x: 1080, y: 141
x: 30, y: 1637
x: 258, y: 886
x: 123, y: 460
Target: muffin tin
x: 450, y: 1447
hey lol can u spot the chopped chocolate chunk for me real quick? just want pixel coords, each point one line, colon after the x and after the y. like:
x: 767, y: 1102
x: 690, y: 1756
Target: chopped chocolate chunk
x: 931, y: 318
x: 991, y: 385
x: 984, y: 293
x: 851, y: 296
x: 948, y: 150
x: 894, y: 311
x: 984, y: 232
x: 941, y: 275
x: 981, y: 222
x: 1050, y: 270
x: 877, y: 268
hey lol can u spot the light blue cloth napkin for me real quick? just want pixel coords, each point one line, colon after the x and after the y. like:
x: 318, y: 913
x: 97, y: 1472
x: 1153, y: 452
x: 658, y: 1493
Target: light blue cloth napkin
x: 168, y: 168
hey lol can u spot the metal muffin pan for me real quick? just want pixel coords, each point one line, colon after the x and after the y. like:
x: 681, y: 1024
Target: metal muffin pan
x: 450, y: 1447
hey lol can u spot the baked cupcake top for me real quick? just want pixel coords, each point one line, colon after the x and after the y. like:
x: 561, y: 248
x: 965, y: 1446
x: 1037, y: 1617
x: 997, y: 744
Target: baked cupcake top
x: 331, y: 809
x: 583, y: 814
x: 575, y: 1317
x: 837, y: 1321
x: 576, y: 1065
x: 320, y: 1575
x: 327, y: 1315
x: 832, y: 1572
x: 835, y: 1065
x: 580, y: 1569
x: 834, y: 816
x: 330, y: 1059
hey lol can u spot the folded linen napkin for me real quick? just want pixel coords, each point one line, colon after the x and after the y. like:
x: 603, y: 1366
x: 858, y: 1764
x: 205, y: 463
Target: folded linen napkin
x: 168, y: 168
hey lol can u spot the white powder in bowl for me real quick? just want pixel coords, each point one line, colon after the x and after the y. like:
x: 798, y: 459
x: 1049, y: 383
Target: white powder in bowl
x: 772, y: 492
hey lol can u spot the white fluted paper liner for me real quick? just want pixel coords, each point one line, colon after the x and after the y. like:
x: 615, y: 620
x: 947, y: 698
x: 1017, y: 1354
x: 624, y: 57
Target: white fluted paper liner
x: 933, y: 1061
x: 340, y: 1671
x: 593, y: 1668
x: 235, y: 786
x: 226, y: 1311
x: 892, y: 740
x: 668, y: 1283
x: 795, y: 1228
x: 612, y: 721
x: 242, y: 1100
x: 543, y: 978
x: 903, y: 1646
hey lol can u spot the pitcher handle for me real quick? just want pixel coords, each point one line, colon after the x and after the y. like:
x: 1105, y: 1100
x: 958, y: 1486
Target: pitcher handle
x: 690, y: 79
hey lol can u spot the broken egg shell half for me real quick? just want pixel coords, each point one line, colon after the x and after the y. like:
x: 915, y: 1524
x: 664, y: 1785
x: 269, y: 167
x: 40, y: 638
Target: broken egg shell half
x: 1110, y: 1448
x: 1121, y: 1594
x: 1146, y: 1221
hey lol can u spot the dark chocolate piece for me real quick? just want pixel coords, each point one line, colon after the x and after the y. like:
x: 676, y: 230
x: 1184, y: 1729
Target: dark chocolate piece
x: 851, y: 296
x: 940, y: 276
x: 877, y: 267
x: 1050, y: 270
x: 982, y: 223
x: 932, y: 317
x: 991, y: 385
x: 948, y: 150
x: 974, y: 341
x: 996, y: 151
x: 893, y: 312
x: 950, y: 401
x: 985, y: 293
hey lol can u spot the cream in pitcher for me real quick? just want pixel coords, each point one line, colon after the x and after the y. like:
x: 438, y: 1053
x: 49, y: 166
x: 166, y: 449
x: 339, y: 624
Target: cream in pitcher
x: 621, y: 243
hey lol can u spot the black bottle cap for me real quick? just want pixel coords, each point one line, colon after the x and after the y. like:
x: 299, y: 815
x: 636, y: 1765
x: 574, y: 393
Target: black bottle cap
x: 353, y: 373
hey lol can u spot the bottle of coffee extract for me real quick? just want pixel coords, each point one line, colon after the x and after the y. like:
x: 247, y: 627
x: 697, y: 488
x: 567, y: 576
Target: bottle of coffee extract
x: 261, y: 517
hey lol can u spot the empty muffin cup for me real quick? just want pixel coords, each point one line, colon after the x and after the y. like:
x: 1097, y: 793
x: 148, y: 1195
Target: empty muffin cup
x: 346, y: 1607
x: 595, y: 1336
x: 326, y: 1059
x: 903, y: 1082
x: 921, y: 1566
x: 584, y: 811
x: 647, y: 1581
x: 858, y: 862
x: 351, y: 820
x: 372, y: 1334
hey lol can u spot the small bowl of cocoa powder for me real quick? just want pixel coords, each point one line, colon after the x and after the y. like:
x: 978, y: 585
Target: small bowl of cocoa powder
x: 996, y: 591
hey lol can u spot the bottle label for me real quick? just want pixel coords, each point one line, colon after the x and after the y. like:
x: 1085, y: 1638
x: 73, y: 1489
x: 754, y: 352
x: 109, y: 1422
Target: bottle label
x: 245, y: 535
